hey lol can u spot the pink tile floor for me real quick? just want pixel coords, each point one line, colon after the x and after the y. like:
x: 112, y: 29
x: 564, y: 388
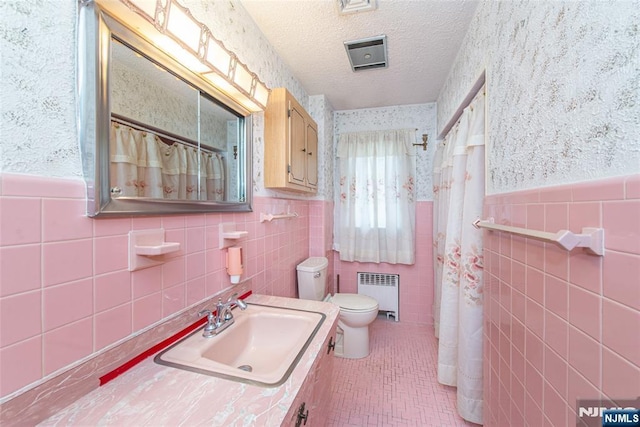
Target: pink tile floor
x: 396, y: 385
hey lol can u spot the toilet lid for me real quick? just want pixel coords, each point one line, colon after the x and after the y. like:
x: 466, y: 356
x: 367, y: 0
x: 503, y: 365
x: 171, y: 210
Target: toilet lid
x: 355, y: 302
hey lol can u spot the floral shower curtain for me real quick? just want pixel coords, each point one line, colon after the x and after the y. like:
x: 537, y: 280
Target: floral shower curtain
x: 142, y: 165
x: 458, y: 194
x: 376, y: 206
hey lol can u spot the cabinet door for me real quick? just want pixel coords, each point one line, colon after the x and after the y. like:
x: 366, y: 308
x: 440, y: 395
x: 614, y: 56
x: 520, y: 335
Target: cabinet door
x: 312, y: 156
x: 297, y: 148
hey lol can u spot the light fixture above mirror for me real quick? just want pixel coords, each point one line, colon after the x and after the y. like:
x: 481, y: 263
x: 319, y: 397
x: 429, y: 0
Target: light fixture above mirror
x: 172, y: 27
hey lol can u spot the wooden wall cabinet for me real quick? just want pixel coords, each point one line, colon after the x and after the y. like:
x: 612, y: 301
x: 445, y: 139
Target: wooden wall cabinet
x: 290, y: 145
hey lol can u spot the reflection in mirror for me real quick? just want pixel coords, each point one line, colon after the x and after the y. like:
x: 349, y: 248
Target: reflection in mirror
x: 171, y: 145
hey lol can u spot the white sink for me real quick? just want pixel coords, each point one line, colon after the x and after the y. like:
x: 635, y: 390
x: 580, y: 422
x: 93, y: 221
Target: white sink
x: 262, y: 347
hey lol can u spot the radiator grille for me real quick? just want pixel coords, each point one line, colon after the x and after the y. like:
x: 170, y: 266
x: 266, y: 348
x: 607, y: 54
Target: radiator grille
x: 383, y: 288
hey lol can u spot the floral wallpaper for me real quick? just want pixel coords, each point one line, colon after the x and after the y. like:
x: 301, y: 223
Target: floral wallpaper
x: 37, y: 109
x: 420, y: 116
x: 322, y: 112
x: 563, y: 90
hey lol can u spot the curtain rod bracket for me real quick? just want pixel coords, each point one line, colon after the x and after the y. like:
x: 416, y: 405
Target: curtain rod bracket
x: 425, y: 137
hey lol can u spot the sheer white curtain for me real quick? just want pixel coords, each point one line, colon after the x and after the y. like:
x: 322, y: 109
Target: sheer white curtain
x: 136, y: 162
x: 458, y: 195
x: 376, y: 206
x: 142, y: 165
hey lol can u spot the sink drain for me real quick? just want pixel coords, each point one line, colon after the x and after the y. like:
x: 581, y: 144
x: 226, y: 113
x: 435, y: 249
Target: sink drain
x: 247, y: 368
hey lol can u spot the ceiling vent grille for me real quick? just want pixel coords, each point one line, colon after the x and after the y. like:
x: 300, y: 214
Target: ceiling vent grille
x: 354, y: 6
x: 365, y: 54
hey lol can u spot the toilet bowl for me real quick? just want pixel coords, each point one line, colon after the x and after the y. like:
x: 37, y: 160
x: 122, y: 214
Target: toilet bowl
x: 357, y: 312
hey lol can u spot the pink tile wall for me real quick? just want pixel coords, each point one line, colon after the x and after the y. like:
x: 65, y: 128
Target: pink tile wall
x: 561, y: 326
x: 65, y: 289
x: 416, y: 281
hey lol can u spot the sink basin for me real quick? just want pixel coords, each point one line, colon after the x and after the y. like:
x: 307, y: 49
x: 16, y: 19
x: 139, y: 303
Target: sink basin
x: 262, y: 347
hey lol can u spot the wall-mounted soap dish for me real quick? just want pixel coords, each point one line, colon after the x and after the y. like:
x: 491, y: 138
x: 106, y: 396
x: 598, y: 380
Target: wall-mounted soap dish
x: 146, y: 248
x: 229, y: 236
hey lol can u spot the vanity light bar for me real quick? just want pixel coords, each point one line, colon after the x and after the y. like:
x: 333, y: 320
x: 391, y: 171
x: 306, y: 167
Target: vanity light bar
x: 172, y: 28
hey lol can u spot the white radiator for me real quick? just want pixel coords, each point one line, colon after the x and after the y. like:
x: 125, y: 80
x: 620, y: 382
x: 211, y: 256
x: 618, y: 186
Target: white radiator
x: 383, y: 288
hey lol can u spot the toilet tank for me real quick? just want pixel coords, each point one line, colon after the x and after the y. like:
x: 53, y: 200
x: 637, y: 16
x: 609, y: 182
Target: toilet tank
x: 312, y: 278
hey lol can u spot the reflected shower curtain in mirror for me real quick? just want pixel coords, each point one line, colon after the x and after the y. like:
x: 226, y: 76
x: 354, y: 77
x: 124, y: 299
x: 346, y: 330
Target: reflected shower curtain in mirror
x: 458, y: 196
x: 142, y: 165
x: 376, y: 203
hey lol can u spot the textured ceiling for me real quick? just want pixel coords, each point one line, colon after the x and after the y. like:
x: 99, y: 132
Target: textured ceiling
x: 423, y: 39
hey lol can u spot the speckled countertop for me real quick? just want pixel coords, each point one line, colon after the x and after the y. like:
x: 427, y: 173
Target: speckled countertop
x: 152, y: 394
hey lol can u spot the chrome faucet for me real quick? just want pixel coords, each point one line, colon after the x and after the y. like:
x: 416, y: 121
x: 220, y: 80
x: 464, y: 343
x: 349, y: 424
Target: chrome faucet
x: 222, y: 318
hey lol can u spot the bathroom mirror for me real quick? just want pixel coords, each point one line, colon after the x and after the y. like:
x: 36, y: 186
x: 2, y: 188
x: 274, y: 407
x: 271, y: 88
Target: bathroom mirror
x: 155, y: 138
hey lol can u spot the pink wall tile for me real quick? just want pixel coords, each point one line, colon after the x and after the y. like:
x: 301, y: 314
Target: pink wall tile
x: 556, y: 296
x: 41, y: 186
x: 173, y: 300
x: 14, y: 277
x: 632, y: 187
x: 535, y: 285
x: 195, y: 266
x: 67, y: 303
x: 195, y: 239
x: 147, y: 310
x: 146, y: 223
x: 67, y: 261
x: 173, y: 272
x: 112, y: 325
x: 20, y: 222
x: 580, y: 388
x: 619, y: 377
x: 586, y: 214
x: 606, y: 189
x: 584, y: 355
x: 112, y: 254
x: 67, y: 344
x: 149, y: 280
x: 556, y: 332
x: 621, y: 219
x: 195, y: 290
x: 111, y: 226
x: 65, y: 219
x: 589, y: 346
x: 618, y: 270
x: 584, y: 311
x: 555, y: 407
x: 621, y: 330
x: 556, y: 217
x: 112, y: 290
x: 585, y: 270
x: 27, y: 355
x: 20, y: 317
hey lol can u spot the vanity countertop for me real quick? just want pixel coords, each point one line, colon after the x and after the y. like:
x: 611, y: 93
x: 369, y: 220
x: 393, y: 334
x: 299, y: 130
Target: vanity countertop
x: 152, y: 394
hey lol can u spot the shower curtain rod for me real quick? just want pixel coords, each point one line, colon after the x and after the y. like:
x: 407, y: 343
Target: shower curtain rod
x: 164, y: 136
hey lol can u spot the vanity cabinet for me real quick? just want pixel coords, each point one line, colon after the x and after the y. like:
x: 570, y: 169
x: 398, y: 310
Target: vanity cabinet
x: 315, y: 392
x: 290, y: 145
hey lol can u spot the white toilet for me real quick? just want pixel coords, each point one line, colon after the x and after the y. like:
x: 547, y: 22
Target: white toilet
x: 356, y: 311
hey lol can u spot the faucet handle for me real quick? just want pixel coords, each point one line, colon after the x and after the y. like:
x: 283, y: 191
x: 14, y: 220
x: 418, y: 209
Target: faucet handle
x: 207, y: 313
x: 233, y: 298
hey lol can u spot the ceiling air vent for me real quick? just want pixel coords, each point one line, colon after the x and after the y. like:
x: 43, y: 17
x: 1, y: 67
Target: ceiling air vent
x: 368, y: 53
x: 354, y: 6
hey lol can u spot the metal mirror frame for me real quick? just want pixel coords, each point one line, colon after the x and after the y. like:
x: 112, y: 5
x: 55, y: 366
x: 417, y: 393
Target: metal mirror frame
x: 95, y: 29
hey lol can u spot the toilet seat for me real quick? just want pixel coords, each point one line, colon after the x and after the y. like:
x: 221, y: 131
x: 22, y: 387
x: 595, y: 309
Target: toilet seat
x: 355, y: 303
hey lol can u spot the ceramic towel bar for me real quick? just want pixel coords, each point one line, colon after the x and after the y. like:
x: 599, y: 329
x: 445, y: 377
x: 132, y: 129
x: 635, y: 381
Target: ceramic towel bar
x: 591, y: 238
x: 271, y: 217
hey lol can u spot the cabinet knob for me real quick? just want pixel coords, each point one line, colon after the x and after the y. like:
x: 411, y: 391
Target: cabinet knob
x: 304, y: 150
x: 310, y: 153
x: 302, y: 415
x: 331, y: 345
